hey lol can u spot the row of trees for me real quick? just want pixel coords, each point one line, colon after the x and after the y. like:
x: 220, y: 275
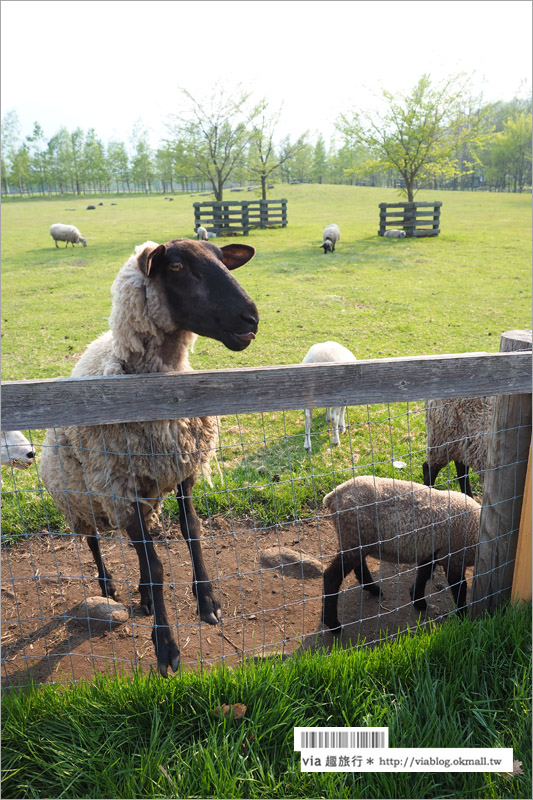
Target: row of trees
x: 431, y: 137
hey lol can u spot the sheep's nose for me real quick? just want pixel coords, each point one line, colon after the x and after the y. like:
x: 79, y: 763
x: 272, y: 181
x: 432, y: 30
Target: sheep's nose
x: 250, y: 319
x: 31, y: 454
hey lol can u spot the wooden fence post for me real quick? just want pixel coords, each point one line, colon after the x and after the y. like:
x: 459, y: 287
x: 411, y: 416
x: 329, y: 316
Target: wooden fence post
x: 522, y: 572
x: 503, y: 490
x: 284, y: 213
x: 197, y: 220
x: 263, y: 213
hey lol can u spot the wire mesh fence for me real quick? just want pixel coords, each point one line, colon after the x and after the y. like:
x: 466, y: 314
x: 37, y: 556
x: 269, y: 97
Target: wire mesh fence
x: 266, y: 538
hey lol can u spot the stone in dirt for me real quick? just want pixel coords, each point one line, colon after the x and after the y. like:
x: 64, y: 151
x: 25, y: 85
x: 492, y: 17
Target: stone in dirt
x: 98, y: 610
x: 290, y: 562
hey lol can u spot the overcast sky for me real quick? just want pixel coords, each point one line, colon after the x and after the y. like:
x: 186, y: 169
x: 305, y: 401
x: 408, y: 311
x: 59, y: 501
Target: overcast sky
x: 104, y: 64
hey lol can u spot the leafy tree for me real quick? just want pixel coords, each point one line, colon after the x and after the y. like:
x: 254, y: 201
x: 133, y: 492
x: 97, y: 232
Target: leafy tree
x: 10, y: 141
x: 263, y: 158
x: 117, y: 161
x: 319, y: 161
x: 215, y: 133
x: 418, y: 135
x: 20, y: 168
x: 39, y: 171
x: 142, y: 167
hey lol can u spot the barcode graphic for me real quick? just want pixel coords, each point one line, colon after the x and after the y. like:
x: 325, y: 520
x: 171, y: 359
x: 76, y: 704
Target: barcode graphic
x: 342, y: 739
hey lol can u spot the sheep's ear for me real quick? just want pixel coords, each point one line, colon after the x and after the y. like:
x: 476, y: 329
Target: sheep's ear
x: 148, y: 259
x: 235, y: 255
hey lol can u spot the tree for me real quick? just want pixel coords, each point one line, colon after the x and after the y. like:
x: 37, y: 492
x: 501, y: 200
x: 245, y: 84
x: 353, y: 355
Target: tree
x: 10, y: 140
x: 142, y: 168
x: 215, y: 134
x: 117, y: 160
x: 418, y: 135
x: 94, y: 161
x: 263, y: 159
x: 319, y: 160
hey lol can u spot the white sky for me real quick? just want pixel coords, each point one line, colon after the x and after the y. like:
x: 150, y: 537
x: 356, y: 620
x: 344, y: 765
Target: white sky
x: 104, y: 64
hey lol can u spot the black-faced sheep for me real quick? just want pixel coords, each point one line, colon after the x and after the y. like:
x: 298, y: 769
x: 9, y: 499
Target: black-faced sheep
x: 16, y: 450
x: 457, y: 431
x: 66, y: 233
x: 321, y: 353
x: 113, y: 477
x: 330, y: 236
x: 400, y: 522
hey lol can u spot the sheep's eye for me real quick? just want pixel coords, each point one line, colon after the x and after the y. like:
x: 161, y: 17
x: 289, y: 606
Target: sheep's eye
x: 175, y: 267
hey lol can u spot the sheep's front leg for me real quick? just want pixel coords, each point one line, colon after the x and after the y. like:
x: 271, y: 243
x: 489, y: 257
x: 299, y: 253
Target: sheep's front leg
x: 335, y: 441
x: 462, y: 478
x: 418, y: 589
x: 208, y: 605
x: 105, y: 580
x: 333, y: 577
x: 151, y: 589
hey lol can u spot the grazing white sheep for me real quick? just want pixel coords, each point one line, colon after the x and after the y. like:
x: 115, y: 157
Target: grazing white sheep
x: 400, y: 522
x: 323, y: 353
x: 66, y: 233
x: 16, y: 450
x: 330, y: 235
x: 113, y: 477
x: 457, y: 431
x: 393, y: 233
x: 202, y: 234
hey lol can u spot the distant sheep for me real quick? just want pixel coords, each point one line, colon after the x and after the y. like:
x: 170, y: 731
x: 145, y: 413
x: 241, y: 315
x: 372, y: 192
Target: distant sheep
x: 393, y: 233
x: 327, y: 352
x: 456, y: 431
x: 330, y: 235
x: 90, y: 208
x: 16, y: 450
x: 66, y: 233
x: 202, y: 233
x: 403, y: 523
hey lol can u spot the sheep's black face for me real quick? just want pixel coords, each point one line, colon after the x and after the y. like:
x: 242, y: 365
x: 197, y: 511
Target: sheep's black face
x: 202, y: 294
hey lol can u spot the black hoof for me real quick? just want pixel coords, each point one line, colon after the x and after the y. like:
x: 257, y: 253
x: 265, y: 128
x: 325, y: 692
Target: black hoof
x: 166, y: 651
x: 209, y: 610
x: 147, y: 606
x: 108, y: 589
x: 420, y: 604
x: 372, y: 589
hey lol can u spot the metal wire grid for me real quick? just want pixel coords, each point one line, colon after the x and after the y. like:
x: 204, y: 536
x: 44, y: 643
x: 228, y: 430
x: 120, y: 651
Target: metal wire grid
x: 48, y: 574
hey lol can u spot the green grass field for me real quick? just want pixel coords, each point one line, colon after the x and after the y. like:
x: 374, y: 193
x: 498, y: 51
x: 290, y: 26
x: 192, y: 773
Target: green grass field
x: 464, y: 685
x: 450, y: 294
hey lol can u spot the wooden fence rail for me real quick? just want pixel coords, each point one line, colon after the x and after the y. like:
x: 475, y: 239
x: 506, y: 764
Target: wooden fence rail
x: 227, y: 217
x: 45, y: 403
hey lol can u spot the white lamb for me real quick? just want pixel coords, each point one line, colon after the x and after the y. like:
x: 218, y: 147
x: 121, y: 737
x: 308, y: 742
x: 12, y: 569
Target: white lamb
x: 66, y: 233
x: 330, y: 235
x: 202, y: 233
x: 324, y: 353
x: 113, y: 477
x: 393, y: 233
x: 16, y: 450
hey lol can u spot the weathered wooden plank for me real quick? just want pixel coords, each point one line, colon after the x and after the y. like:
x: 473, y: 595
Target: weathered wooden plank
x: 505, y: 471
x: 97, y: 400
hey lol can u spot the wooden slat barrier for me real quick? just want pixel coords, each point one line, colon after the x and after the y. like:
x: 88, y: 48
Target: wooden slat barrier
x: 240, y: 216
x: 416, y: 219
x: 133, y: 398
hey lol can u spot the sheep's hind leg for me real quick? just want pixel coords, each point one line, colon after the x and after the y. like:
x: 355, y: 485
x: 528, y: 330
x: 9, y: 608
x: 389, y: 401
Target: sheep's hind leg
x: 105, y: 579
x: 455, y: 575
x: 208, y: 606
x: 151, y: 589
x: 362, y: 573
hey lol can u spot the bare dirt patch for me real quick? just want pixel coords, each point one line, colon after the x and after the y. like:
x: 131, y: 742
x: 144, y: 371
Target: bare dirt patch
x: 46, y: 576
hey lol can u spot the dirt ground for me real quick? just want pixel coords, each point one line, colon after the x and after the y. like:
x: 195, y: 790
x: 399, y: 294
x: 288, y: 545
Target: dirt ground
x: 46, y: 578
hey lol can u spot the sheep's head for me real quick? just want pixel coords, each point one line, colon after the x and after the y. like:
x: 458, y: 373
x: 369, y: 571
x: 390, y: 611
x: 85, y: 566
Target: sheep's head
x: 201, y: 293
x: 84, y: 243
x: 16, y: 450
x: 326, y: 245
